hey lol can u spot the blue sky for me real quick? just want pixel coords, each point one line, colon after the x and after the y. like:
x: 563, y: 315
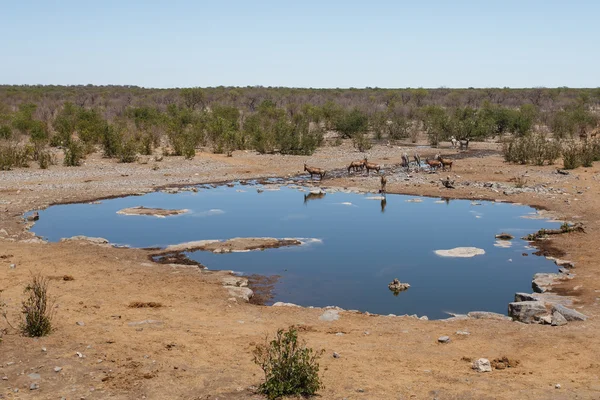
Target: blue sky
x: 183, y: 43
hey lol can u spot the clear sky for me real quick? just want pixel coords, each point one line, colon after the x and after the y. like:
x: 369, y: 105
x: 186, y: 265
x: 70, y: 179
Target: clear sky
x: 310, y: 43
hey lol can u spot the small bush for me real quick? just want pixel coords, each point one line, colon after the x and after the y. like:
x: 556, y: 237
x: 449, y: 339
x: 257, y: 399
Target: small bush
x: 74, y: 153
x: 290, y: 367
x: 37, y: 308
x: 571, y: 156
x: 361, y: 142
x: 13, y: 156
x: 520, y: 182
x: 128, y: 151
x: 45, y: 159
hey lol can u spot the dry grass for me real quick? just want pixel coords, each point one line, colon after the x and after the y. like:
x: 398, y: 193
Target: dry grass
x: 141, y: 304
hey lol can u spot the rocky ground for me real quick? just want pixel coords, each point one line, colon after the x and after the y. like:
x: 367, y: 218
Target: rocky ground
x: 128, y: 328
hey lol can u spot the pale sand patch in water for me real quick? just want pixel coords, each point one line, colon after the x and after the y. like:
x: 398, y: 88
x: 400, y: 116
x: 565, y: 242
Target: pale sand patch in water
x: 462, y: 252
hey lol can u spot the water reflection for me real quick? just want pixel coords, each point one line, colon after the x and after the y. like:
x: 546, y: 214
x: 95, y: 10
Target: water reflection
x: 383, y: 204
x: 313, y: 196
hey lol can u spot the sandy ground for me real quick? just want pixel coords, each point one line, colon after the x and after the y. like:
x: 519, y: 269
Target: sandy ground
x: 198, y: 344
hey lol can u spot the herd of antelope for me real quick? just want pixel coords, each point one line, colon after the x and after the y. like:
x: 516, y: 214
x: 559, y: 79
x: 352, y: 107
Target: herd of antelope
x: 438, y: 162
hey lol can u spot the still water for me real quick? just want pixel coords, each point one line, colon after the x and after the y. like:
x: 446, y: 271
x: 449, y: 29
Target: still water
x: 363, y: 244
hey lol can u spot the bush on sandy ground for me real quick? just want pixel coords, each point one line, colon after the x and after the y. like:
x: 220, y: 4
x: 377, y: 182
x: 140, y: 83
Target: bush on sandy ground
x: 12, y: 156
x: 290, y: 367
x: 38, y: 308
x: 532, y: 148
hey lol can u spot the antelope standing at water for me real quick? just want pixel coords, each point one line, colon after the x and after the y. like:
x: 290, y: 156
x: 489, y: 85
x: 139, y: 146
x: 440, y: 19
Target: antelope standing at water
x: 314, y: 171
x: 369, y: 166
x: 464, y: 143
x: 356, y: 165
x: 418, y: 160
x: 383, y: 184
x: 433, y: 164
x: 446, y: 162
x: 405, y: 161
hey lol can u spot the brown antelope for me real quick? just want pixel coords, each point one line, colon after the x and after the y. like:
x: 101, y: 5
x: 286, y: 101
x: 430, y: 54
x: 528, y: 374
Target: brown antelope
x: 383, y: 184
x: 356, y: 165
x: 369, y: 166
x: 446, y: 162
x: 314, y: 171
x: 433, y: 164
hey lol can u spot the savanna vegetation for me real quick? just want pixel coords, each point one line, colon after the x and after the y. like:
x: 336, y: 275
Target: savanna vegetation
x: 124, y: 122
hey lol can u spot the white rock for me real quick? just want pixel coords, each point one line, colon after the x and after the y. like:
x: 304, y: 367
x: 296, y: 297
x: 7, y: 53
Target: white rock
x: 482, y: 365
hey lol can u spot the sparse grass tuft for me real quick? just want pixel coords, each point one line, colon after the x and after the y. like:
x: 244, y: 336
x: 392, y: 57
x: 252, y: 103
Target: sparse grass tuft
x: 38, y: 308
x: 140, y: 304
x: 520, y: 182
x: 290, y: 367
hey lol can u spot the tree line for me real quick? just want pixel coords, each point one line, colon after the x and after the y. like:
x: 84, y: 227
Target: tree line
x: 125, y: 121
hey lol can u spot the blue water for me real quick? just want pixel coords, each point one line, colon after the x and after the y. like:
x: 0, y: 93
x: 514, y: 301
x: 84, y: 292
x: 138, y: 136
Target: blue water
x: 364, y: 245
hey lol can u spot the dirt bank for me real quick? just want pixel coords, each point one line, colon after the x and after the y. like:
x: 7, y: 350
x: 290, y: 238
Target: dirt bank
x: 198, y: 344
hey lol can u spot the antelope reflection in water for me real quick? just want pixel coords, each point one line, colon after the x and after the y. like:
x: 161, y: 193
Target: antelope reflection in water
x: 383, y: 204
x: 313, y: 196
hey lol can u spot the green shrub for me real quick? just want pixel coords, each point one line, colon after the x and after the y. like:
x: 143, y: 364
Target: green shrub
x: 290, y: 367
x: 5, y: 132
x: 189, y: 147
x: 45, y: 159
x: 74, y: 153
x: 532, y: 148
x: 146, y: 144
x: 128, y: 151
x: 111, y: 141
x: 12, y: 155
x: 361, y: 142
x: 38, y: 308
x: 571, y: 156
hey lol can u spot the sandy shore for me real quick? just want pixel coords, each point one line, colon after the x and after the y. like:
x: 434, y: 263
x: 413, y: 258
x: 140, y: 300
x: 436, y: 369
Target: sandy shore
x: 198, y: 344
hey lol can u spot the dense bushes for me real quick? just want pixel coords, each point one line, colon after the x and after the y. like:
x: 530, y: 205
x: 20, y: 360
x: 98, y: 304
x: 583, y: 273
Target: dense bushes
x: 12, y: 156
x: 532, y: 148
x: 289, y: 366
x: 125, y: 121
x: 576, y: 154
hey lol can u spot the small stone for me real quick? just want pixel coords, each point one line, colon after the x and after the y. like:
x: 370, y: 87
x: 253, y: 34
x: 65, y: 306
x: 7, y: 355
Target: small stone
x: 57, y: 369
x: 360, y: 390
x: 546, y: 319
x: 339, y: 334
x: 462, y: 333
x: 5, y: 378
x: 79, y: 354
x: 558, y: 319
x: 444, y: 339
x: 44, y: 349
x: 557, y: 386
x: 80, y: 323
x: 34, y: 376
x: 482, y: 365
x: 34, y: 386
x: 13, y: 266
x: 336, y: 355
